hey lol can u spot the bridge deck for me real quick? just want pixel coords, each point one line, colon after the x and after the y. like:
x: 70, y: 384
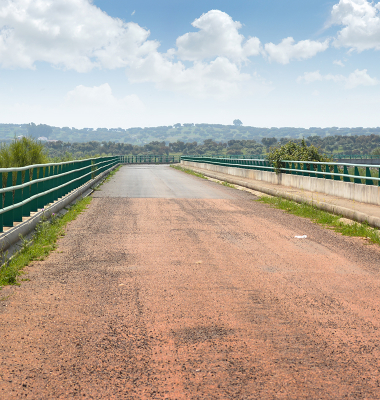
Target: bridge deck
x: 171, y: 296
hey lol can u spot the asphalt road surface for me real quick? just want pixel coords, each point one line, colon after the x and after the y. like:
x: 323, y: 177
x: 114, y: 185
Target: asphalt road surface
x: 159, y: 181
x: 173, y: 287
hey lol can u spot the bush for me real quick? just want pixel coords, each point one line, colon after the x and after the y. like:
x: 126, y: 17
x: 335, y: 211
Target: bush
x: 21, y: 153
x: 295, y: 152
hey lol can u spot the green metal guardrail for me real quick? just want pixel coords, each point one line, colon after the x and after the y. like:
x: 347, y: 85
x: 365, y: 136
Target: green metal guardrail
x: 356, y: 173
x: 27, y: 189
x: 355, y: 156
x: 263, y: 156
x: 150, y: 159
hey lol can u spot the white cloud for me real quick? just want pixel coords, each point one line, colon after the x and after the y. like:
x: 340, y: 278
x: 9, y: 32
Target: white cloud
x: 338, y: 62
x: 133, y: 12
x: 287, y: 50
x: 361, y: 21
x: 355, y: 79
x: 218, y: 36
x: 219, y: 78
x: 73, y: 34
x: 100, y: 99
x: 360, y: 78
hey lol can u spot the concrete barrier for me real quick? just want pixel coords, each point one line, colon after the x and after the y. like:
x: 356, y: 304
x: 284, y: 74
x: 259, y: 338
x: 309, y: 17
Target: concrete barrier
x: 347, y: 190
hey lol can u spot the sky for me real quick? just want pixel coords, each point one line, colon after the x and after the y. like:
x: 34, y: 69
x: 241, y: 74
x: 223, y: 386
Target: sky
x: 142, y: 63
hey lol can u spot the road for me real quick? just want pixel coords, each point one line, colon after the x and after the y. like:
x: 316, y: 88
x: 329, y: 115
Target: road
x: 174, y: 287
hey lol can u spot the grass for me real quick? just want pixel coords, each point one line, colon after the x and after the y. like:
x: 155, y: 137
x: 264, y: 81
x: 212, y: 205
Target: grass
x: 188, y: 171
x: 112, y: 173
x: 323, y: 218
x: 109, y: 176
x: 228, y: 185
x: 43, y: 243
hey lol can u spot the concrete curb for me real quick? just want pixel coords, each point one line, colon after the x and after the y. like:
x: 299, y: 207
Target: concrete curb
x: 331, y: 208
x: 12, y: 236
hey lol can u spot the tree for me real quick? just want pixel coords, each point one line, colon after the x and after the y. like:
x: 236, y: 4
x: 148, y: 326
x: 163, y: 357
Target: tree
x: 20, y: 153
x: 267, y: 142
x: 37, y: 131
x: 295, y: 152
x: 237, y: 122
x: 177, y: 125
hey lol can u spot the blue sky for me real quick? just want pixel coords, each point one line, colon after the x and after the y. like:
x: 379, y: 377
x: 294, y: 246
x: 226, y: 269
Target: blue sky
x: 113, y: 63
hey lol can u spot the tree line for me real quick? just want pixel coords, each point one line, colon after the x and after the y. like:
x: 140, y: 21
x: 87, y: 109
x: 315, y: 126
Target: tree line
x: 331, y: 145
x: 187, y: 133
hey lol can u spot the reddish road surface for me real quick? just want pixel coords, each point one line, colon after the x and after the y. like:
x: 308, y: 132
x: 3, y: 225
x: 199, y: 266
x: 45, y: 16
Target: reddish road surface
x: 191, y: 290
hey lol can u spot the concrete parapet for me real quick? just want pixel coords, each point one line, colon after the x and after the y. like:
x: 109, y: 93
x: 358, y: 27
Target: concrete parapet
x: 347, y: 190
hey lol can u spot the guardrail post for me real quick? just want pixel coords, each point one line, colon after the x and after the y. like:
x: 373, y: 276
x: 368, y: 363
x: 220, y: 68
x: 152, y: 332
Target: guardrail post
x: 356, y: 180
x: 336, y: 177
x: 41, y: 188
x: 34, y: 191
x: 8, y: 201
x: 55, y: 183
x: 312, y: 168
x: 368, y: 175
x: 327, y: 168
x: 26, y: 194
x: 1, y: 203
x: 17, y: 216
x: 319, y: 169
x: 48, y: 185
x: 345, y: 171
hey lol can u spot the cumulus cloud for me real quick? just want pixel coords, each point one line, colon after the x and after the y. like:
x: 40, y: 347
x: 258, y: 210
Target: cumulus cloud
x: 98, y: 105
x: 360, y: 78
x: 77, y: 35
x: 361, y: 21
x: 288, y: 50
x: 73, y: 34
x: 218, y: 36
x: 355, y: 79
x: 338, y: 62
x: 219, y: 78
x: 101, y: 97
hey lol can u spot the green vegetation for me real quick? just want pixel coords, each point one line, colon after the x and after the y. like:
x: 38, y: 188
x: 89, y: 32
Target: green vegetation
x: 112, y: 173
x: 188, y: 171
x: 323, y: 218
x: 43, y: 242
x: 228, y: 185
x: 109, y: 176
x: 200, y: 139
x: 295, y: 152
x: 20, y: 153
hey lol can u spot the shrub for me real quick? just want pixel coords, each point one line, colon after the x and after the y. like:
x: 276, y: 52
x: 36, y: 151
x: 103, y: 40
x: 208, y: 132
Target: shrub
x: 19, y: 153
x: 295, y: 152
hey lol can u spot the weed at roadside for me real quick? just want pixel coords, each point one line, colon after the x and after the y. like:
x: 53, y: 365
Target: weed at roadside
x: 43, y: 243
x: 188, y: 171
x: 109, y: 176
x: 228, y: 185
x: 323, y: 218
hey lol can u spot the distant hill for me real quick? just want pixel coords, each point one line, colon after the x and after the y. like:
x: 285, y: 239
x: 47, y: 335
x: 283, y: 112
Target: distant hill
x: 187, y: 133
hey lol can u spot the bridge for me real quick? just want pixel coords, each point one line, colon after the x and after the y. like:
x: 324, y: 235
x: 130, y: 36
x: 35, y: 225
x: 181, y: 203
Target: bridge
x: 174, y: 287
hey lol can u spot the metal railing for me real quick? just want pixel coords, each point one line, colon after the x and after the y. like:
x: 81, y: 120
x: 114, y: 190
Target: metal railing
x: 25, y: 190
x: 346, y: 172
x: 150, y: 159
x: 355, y: 156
